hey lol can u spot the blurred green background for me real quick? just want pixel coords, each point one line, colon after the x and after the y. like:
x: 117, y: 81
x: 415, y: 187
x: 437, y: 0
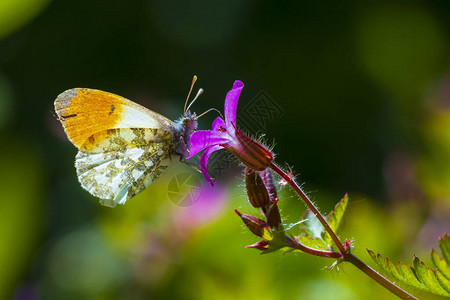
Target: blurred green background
x: 363, y: 90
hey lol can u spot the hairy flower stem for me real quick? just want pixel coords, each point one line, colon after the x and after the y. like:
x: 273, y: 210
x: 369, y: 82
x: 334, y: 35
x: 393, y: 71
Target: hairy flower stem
x: 323, y: 253
x: 311, y: 206
x: 344, y: 254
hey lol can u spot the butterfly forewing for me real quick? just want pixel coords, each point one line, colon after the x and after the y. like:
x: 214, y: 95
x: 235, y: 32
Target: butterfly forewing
x: 85, y: 112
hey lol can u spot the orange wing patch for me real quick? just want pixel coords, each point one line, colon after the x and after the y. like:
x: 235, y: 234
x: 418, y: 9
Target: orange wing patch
x: 85, y: 112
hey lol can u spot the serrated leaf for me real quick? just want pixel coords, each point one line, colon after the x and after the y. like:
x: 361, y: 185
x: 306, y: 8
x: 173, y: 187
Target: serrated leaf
x: 444, y: 282
x: 409, y: 276
x: 376, y: 258
x: 440, y: 264
x: 335, y: 217
x: 277, y: 241
x: 427, y: 277
x: 393, y: 270
x: 444, y: 244
x: 419, y: 276
x: 267, y: 234
x: 312, y: 226
x: 315, y: 243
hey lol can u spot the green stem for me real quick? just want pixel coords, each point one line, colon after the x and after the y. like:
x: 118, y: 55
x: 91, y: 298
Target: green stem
x: 377, y: 277
x: 346, y: 255
x: 294, y: 244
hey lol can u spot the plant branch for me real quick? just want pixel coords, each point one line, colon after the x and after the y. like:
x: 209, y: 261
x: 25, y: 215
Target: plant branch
x: 377, y: 277
x: 294, y: 244
x: 344, y: 254
x: 310, y: 205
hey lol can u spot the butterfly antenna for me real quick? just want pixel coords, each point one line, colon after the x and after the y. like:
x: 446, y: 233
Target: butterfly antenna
x: 211, y: 109
x: 200, y: 91
x: 194, y: 79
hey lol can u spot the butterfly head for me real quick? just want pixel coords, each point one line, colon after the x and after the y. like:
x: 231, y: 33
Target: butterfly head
x: 187, y: 124
x: 184, y: 127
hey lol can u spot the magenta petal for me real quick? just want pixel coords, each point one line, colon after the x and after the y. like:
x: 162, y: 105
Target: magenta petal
x: 204, y: 162
x: 202, y: 139
x: 231, y: 102
x: 218, y: 122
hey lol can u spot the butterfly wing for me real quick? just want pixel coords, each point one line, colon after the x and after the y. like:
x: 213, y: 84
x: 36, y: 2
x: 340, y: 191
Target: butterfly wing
x: 123, y: 146
x: 85, y: 112
x: 116, y: 176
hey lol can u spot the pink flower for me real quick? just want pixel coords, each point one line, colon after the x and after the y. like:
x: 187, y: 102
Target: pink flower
x: 207, y: 208
x: 225, y: 134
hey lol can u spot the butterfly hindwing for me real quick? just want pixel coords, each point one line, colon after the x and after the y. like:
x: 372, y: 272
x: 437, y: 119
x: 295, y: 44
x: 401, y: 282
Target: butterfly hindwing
x: 116, y: 176
x: 121, y: 138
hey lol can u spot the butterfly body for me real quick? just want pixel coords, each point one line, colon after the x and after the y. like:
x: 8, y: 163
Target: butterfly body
x: 123, y: 147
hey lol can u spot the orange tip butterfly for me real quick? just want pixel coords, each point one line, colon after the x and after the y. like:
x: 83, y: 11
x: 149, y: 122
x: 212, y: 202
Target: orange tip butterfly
x: 122, y: 146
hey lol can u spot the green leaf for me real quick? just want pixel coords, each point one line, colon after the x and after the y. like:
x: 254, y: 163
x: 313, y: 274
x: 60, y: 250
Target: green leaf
x: 440, y: 264
x: 427, y: 277
x: 335, y: 217
x: 315, y: 235
x: 276, y: 238
x: 267, y: 234
x: 419, y: 276
x: 315, y: 243
x: 444, y: 282
x: 408, y: 275
x: 444, y: 244
x: 312, y: 226
x: 394, y: 271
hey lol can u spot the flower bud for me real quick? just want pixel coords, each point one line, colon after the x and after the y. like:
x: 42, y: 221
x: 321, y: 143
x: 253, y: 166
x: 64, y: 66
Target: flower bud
x: 253, y: 154
x: 255, y: 224
x: 273, y: 215
x: 267, y: 178
x: 261, y: 245
x: 256, y: 189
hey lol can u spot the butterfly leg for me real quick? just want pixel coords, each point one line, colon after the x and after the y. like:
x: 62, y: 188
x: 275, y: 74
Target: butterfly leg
x: 182, y: 148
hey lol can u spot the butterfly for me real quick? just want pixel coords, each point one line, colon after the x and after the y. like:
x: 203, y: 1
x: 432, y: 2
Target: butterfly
x: 122, y: 146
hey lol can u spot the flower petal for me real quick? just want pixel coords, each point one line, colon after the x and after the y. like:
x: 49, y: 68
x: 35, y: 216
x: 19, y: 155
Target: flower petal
x: 231, y: 102
x: 204, y: 162
x: 202, y: 139
x: 218, y: 122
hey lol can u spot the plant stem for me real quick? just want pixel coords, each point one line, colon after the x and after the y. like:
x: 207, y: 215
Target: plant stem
x: 346, y: 255
x: 310, y: 205
x: 377, y: 277
x: 294, y: 244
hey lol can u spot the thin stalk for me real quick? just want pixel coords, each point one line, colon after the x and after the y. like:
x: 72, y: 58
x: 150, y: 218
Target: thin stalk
x: 346, y: 255
x: 310, y: 205
x: 294, y: 244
